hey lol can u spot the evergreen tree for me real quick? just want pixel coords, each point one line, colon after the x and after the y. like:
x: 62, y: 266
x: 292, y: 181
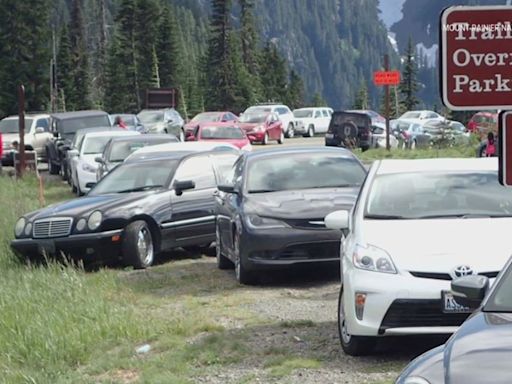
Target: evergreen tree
x: 295, y: 94
x: 80, y: 97
x: 409, y: 84
x: 167, y: 49
x: 25, y: 54
x: 273, y: 74
x: 318, y: 101
x: 395, y: 108
x: 362, y: 101
x: 249, y: 46
x: 118, y: 97
x: 64, y: 68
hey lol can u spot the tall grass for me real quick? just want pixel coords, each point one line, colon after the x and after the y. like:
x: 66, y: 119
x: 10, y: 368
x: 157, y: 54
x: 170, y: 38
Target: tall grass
x: 382, y: 153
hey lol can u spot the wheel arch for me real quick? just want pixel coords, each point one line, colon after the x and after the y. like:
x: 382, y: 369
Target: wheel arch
x: 153, y: 227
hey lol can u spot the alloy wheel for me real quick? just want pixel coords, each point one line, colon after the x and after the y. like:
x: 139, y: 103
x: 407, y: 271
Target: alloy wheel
x: 145, y: 246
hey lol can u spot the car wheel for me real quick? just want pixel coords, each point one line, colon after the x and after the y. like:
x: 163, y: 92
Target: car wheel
x: 281, y: 138
x: 73, y: 188
x: 352, y: 345
x: 137, y: 248
x: 77, y: 187
x: 222, y: 261
x: 265, y: 139
x: 290, y: 131
x: 52, y: 168
x: 243, y: 276
x: 311, y: 131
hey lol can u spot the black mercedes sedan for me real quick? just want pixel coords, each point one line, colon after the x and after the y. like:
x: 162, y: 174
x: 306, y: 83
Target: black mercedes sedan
x: 271, y: 209
x: 481, y: 349
x: 136, y: 211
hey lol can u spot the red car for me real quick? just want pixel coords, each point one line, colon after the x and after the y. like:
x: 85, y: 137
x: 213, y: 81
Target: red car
x: 262, y: 127
x: 225, y: 132
x: 482, y: 122
x: 210, y: 117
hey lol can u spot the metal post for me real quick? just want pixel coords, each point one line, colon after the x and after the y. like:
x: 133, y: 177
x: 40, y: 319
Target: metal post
x: 21, y: 122
x: 386, y: 88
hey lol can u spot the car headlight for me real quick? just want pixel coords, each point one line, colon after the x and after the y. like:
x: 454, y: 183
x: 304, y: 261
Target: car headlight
x: 258, y: 222
x: 259, y: 128
x: 247, y: 147
x: 94, y: 220
x: 20, y: 226
x: 80, y: 225
x: 416, y: 380
x: 372, y: 258
x: 88, y: 168
x: 28, y: 229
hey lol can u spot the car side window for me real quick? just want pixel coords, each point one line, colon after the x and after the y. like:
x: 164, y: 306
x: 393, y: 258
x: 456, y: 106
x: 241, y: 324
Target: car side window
x: 43, y: 123
x: 229, y: 117
x: 318, y: 114
x: 325, y: 113
x: 199, y: 170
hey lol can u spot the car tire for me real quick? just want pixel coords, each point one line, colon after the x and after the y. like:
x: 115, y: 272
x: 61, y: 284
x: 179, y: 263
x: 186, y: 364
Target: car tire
x: 222, y: 261
x: 311, y: 131
x: 365, y: 148
x: 352, y: 345
x: 182, y: 135
x: 138, y: 248
x: 483, y: 149
x: 73, y: 188
x: 281, y: 138
x: 52, y: 168
x: 290, y: 131
x: 265, y: 139
x: 243, y: 276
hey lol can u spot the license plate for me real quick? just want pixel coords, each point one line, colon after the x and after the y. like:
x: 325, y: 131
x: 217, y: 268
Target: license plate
x: 450, y: 305
x: 329, y: 136
x: 47, y: 247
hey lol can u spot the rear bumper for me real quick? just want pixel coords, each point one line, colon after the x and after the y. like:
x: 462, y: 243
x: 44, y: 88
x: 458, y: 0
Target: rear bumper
x: 89, y: 246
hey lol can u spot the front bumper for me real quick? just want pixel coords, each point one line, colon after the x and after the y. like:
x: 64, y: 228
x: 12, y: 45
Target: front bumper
x: 273, y: 248
x: 84, y: 178
x: 397, y: 304
x: 88, y: 246
x: 259, y: 136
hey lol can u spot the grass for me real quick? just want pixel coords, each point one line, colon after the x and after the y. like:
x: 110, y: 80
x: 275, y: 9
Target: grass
x: 381, y: 153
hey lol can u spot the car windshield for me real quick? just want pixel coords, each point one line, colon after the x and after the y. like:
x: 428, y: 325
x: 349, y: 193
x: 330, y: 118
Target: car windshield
x: 151, y: 117
x: 122, y: 149
x: 70, y: 126
x: 127, y: 119
x: 230, y: 133
x: 254, y: 118
x: 136, y: 177
x: 303, y: 171
x: 426, y: 195
x: 500, y: 299
x: 205, y: 117
x: 11, y: 125
x: 303, y: 113
x: 94, y: 145
x: 410, y: 115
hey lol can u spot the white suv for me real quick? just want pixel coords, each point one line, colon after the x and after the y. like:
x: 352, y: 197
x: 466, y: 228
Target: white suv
x: 283, y: 112
x: 37, y: 132
x: 309, y: 121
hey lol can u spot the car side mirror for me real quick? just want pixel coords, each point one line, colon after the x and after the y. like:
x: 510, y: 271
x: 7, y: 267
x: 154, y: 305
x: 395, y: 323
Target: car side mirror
x: 337, y: 220
x: 180, y: 186
x: 226, y: 188
x: 469, y: 291
x: 99, y: 160
x: 64, y: 147
x: 39, y: 130
x: 56, y: 134
x: 90, y: 185
x: 73, y: 152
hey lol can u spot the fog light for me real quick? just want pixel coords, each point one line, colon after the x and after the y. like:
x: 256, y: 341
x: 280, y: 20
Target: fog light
x: 116, y: 238
x: 360, y: 300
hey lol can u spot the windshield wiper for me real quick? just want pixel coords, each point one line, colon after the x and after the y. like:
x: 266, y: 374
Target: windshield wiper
x: 140, y: 189
x: 386, y: 217
x: 263, y: 190
x: 454, y: 216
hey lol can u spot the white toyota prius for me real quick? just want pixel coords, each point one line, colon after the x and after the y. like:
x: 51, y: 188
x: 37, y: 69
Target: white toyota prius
x: 416, y: 225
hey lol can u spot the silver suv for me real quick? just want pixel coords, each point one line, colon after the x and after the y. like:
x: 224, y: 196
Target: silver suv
x: 37, y: 133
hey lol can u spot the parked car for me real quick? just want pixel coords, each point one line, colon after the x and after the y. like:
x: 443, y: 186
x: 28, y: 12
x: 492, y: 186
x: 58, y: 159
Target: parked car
x: 483, y: 122
x: 37, y: 135
x: 349, y: 129
x: 421, y: 116
x: 262, y: 127
x: 270, y: 210
x: 188, y: 147
x: 284, y: 114
x: 417, y: 225
x: 378, y: 136
x: 376, y: 117
x: 135, y: 212
x: 480, y: 350
x: 83, y: 165
x: 309, y: 121
x: 66, y: 169
x: 119, y: 148
x: 209, y: 117
x: 64, y: 126
x: 132, y: 122
x: 412, y: 135
x: 226, y: 132
x: 163, y: 121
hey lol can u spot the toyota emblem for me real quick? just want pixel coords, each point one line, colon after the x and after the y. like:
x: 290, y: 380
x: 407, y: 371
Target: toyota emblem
x: 462, y: 270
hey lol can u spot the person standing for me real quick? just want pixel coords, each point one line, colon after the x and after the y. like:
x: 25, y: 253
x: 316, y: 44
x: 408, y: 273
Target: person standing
x: 120, y: 123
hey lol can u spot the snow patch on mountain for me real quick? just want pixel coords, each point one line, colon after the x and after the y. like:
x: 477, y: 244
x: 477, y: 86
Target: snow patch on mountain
x: 392, y: 41
x: 429, y: 53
